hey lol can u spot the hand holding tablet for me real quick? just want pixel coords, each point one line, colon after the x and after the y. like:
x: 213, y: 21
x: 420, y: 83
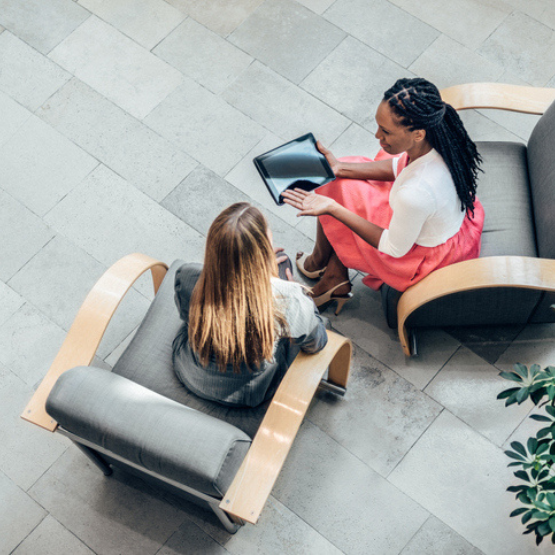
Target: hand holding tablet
x: 296, y: 164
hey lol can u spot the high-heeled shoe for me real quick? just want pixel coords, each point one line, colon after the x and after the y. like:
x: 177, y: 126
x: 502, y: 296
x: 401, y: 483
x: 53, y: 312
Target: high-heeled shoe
x: 310, y: 275
x: 328, y: 296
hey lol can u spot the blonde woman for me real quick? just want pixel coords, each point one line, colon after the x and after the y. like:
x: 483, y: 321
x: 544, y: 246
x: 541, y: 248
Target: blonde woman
x: 242, y: 324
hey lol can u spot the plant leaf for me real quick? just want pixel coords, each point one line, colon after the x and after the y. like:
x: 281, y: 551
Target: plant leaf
x: 543, y: 529
x: 541, y: 418
x: 527, y: 517
x: 519, y: 448
x: 516, y: 456
x: 522, y: 475
x: 507, y: 392
x: 511, y: 376
x: 519, y: 511
x: 532, y: 445
x: 521, y: 369
x: 522, y: 395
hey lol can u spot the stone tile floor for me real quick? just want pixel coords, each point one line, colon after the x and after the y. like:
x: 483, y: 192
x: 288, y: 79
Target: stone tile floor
x: 127, y: 125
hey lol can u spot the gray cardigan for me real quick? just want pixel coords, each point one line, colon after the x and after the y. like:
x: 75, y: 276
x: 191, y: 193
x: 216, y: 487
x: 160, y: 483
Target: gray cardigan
x: 251, y: 386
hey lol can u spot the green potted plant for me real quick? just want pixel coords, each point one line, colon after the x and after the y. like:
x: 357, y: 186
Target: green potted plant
x: 535, y: 460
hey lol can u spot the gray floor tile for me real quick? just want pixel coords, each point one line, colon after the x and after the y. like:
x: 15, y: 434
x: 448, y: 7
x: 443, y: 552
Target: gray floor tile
x: 279, y: 29
x: 29, y: 342
x: 457, y: 474
x: 402, y: 39
x: 352, y: 79
x: 125, y: 221
x: 519, y: 124
x: 469, y: 22
x: 23, y: 235
x: 363, y: 321
x: 245, y: 177
x: 145, y: 21
x: 40, y: 166
x: 436, y: 538
x: 523, y: 46
x: 317, y: 6
x: 534, y: 8
x: 190, y: 202
x: 214, y: 66
x: 51, y: 538
x: 468, y: 387
x: 115, y: 515
x: 10, y: 302
x: 27, y: 76
x: 336, y: 493
x: 534, y: 345
x: 488, y: 342
x: 201, y: 197
x: 482, y: 128
x: 371, y: 420
x: 116, y: 67
x: 27, y: 450
x: 67, y: 274
x: 356, y: 141
x: 206, y: 127
x: 42, y: 25
x: 283, y: 108
x: 122, y: 143
x: 220, y: 16
x: 267, y: 536
x: 13, y: 117
x: 192, y: 540
x: 446, y: 62
x: 19, y: 515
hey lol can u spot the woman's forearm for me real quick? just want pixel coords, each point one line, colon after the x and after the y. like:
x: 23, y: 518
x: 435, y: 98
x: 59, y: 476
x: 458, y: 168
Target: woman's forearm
x: 369, y: 232
x: 381, y: 170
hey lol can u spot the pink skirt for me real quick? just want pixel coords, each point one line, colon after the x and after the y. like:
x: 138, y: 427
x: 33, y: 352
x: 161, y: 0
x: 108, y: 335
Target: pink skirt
x: 370, y: 199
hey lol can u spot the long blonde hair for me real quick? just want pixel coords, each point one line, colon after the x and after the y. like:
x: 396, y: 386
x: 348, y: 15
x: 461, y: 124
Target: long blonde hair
x: 232, y: 316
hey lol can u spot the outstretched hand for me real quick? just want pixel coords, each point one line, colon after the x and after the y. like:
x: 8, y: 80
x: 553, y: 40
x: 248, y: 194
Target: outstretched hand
x: 308, y: 203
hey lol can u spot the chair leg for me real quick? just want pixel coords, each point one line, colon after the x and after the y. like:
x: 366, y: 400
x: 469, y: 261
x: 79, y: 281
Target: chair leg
x: 413, y: 344
x: 230, y: 523
x: 95, y: 458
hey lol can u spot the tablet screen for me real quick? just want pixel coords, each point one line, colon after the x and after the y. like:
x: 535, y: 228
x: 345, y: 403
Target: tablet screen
x: 297, y: 163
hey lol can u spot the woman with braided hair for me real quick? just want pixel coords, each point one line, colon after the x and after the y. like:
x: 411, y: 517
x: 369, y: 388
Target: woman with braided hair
x: 411, y: 210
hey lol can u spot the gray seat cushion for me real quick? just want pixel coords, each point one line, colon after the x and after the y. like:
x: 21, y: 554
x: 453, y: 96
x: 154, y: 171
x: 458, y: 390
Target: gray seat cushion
x: 541, y: 164
x: 148, y: 429
x: 504, y: 190
x: 148, y: 361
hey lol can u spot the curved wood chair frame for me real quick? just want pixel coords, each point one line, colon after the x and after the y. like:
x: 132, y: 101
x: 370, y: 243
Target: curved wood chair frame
x: 514, y: 98
x: 496, y: 271
x: 256, y: 477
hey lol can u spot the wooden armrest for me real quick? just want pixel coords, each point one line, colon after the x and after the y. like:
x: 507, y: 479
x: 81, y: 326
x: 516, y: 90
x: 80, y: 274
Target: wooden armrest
x: 530, y: 100
x: 85, y: 334
x: 479, y: 273
x: 257, y: 475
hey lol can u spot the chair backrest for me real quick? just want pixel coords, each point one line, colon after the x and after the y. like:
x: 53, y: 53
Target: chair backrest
x: 541, y: 170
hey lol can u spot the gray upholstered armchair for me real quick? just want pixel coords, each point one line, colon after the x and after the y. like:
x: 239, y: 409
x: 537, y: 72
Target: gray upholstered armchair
x: 141, y: 418
x: 513, y: 281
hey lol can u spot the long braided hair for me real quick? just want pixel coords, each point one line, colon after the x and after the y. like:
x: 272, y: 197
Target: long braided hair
x: 418, y: 105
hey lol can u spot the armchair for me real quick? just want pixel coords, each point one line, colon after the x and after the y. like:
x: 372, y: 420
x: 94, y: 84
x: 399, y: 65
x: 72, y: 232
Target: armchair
x: 141, y: 418
x: 513, y: 281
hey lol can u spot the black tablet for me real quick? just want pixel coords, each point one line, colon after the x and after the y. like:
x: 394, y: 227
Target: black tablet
x: 297, y: 163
